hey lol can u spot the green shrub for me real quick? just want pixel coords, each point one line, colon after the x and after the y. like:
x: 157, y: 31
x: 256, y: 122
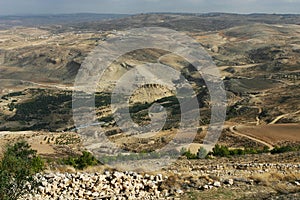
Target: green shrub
x: 237, y: 152
x: 17, y: 167
x: 283, y: 149
x: 83, y: 161
x: 221, y: 151
x: 188, y: 154
x: 266, y: 150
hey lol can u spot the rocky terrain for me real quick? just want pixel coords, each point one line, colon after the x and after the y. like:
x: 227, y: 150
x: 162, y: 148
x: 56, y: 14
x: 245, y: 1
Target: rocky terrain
x: 115, y: 185
x: 257, y: 56
x: 184, y: 179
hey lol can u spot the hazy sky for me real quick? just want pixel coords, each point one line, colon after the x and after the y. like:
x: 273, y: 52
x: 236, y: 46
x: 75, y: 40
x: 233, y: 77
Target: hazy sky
x: 143, y: 6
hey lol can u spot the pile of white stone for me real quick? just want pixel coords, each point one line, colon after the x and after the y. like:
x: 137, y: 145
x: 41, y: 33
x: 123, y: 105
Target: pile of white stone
x: 110, y: 185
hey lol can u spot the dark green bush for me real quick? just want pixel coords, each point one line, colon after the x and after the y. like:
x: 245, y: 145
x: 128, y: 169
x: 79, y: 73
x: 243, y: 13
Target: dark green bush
x: 17, y: 167
x: 221, y: 151
x: 237, y: 152
x: 283, y: 149
x: 83, y: 161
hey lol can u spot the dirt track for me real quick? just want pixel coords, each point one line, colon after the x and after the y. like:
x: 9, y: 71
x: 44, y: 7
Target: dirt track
x: 282, y: 116
x: 233, y: 129
x: 270, y: 134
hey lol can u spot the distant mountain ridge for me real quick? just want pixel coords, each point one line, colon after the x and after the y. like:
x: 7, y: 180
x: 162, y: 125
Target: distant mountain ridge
x: 171, y: 18
x: 50, y: 19
x: 182, y: 21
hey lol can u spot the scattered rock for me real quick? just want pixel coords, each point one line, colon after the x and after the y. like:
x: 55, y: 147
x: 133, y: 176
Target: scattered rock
x: 229, y: 181
x: 217, y: 184
x: 205, y: 187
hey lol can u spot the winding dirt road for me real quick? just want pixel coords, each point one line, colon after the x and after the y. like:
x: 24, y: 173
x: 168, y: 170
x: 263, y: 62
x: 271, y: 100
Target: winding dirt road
x: 282, y: 116
x: 234, y: 131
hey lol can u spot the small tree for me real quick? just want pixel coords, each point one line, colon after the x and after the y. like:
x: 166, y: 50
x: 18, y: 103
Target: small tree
x: 17, y: 167
x: 86, y: 159
x: 221, y: 151
x: 83, y: 161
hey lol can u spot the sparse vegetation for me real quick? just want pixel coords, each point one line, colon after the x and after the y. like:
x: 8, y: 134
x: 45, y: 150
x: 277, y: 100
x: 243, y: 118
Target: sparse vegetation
x: 102, y: 99
x: 276, y: 181
x: 223, y: 151
x: 11, y: 106
x: 188, y: 154
x: 139, y: 156
x: 38, y: 112
x: 67, y: 139
x: 139, y: 112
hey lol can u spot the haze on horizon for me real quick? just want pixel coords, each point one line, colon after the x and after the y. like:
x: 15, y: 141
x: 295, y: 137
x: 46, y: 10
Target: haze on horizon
x: 18, y: 7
